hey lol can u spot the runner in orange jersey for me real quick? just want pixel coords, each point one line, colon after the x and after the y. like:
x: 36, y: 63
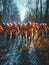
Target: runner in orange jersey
x: 41, y: 30
x: 45, y: 29
x: 6, y: 30
x: 23, y: 32
x: 32, y: 31
x: 17, y: 29
x: 34, y: 25
x: 12, y: 32
x: 20, y: 27
x: 1, y: 29
x: 26, y: 32
x: 36, y: 34
x: 29, y: 31
x: 10, y: 29
x: 1, y: 32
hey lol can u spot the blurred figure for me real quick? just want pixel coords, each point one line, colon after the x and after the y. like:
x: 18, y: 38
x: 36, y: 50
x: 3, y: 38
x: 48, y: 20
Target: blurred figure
x: 29, y: 31
x: 35, y: 31
x: 7, y: 31
x: 1, y: 29
x: 40, y: 30
x: 32, y: 30
x: 20, y: 28
x: 1, y: 32
x: 17, y: 30
x: 23, y: 33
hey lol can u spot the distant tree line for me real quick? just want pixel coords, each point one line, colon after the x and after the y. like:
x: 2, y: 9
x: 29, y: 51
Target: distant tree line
x: 10, y: 11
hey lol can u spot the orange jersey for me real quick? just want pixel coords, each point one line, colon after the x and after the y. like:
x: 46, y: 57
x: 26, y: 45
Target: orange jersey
x: 34, y: 25
x: 10, y: 27
x: 21, y: 27
x: 32, y: 30
x: 28, y: 26
x: 17, y: 27
x: 1, y: 28
x: 10, y: 32
x: 0, y: 31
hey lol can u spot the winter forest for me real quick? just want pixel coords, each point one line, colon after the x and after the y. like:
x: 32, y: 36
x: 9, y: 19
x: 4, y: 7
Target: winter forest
x: 22, y: 11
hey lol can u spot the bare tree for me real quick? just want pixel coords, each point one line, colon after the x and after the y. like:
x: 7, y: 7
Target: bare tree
x: 37, y: 3
x: 41, y: 10
x: 47, y: 12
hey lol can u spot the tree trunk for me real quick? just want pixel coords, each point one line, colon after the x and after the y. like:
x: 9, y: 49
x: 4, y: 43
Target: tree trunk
x: 41, y: 10
x: 37, y: 3
x: 46, y: 14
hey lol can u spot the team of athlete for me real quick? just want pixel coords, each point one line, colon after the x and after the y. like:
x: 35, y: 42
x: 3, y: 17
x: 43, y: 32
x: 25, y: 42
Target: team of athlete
x: 29, y: 31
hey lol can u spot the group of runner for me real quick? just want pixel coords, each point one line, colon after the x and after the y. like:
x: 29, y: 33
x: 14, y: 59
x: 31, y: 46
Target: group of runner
x: 29, y: 31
